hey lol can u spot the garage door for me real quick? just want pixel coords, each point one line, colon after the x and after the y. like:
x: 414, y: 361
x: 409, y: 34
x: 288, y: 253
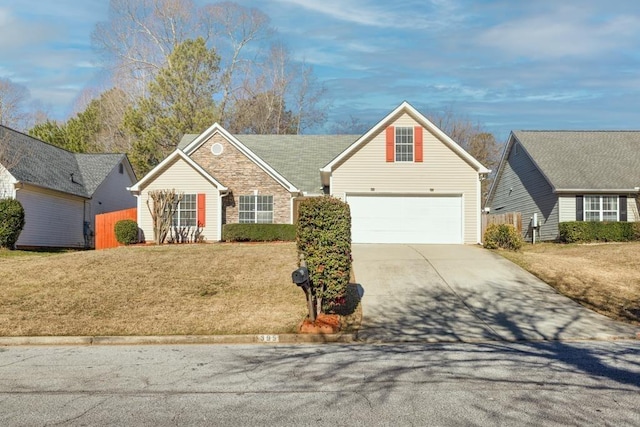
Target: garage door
x: 405, y: 219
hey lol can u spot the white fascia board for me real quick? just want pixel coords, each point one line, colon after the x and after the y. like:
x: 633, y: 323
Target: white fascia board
x: 216, y: 128
x: 200, y: 139
x: 329, y: 167
x: 406, y: 107
x: 596, y: 191
x: 177, y: 153
x: 446, y: 139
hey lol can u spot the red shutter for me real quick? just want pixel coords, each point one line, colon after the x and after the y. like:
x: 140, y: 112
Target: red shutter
x: 201, y: 210
x: 391, y: 144
x: 417, y: 142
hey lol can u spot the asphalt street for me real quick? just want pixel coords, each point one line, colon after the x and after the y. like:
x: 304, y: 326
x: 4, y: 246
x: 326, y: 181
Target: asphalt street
x: 492, y: 383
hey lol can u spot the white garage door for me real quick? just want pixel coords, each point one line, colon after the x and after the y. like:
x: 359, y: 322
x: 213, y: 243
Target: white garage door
x: 405, y: 219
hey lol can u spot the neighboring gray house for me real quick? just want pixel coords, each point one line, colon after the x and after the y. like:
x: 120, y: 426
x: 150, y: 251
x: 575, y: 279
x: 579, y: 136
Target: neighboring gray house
x: 61, y: 192
x: 568, y: 176
x: 404, y: 180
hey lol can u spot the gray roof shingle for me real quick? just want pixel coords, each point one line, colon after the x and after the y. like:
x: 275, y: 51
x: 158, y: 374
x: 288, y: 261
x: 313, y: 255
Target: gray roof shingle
x: 35, y: 162
x: 298, y: 158
x: 588, y: 160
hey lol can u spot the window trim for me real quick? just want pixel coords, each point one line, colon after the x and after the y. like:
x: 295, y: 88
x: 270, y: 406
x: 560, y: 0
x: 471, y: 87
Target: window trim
x: 400, y: 143
x: 257, y: 201
x: 600, y: 211
x: 178, y: 212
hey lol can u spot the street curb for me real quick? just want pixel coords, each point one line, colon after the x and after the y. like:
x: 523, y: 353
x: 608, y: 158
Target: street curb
x: 183, y: 339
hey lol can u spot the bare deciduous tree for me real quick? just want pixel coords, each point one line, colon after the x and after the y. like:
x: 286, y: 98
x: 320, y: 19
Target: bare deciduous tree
x: 280, y: 96
x: 350, y: 126
x: 473, y: 138
x: 13, y: 99
x: 140, y: 34
x: 162, y: 209
x: 235, y: 27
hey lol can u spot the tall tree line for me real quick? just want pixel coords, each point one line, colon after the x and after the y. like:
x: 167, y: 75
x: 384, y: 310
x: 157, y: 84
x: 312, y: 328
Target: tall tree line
x: 177, y: 68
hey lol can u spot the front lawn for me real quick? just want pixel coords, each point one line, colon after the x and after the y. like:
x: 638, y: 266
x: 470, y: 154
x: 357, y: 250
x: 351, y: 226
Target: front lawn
x: 152, y: 290
x: 604, y: 277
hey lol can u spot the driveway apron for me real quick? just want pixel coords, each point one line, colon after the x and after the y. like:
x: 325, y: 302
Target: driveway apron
x: 437, y: 293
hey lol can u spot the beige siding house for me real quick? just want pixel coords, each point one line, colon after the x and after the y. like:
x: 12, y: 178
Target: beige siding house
x: 408, y: 182
x: 61, y: 192
x: 405, y: 180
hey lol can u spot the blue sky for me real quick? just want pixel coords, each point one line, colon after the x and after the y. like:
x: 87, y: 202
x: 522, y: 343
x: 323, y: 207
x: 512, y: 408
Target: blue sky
x: 571, y: 64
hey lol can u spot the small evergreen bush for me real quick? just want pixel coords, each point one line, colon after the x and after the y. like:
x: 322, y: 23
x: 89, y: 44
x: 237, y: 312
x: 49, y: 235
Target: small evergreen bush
x: 258, y: 232
x: 324, y: 238
x: 126, y: 231
x: 503, y: 236
x: 11, y: 222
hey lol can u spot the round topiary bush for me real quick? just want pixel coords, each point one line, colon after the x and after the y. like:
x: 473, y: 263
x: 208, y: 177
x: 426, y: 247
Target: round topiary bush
x: 503, y: 236
x: 126, y: 231
x: 11, y: 222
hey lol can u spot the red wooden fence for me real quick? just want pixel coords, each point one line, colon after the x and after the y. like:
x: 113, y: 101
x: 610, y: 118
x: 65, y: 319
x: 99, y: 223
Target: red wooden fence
x: 105, y: 236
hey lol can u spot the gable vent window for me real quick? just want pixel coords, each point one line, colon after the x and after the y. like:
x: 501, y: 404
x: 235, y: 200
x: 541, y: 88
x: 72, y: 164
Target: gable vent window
x: 217, y: 149
x: 404, y: 144
x: 255, y: 210
x: 121, y: 168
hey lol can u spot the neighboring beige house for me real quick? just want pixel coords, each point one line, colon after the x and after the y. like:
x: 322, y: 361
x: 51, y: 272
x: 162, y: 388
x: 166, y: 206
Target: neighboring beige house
x: 61, y: 192
x: 405, y: 180
x: 561, y: 176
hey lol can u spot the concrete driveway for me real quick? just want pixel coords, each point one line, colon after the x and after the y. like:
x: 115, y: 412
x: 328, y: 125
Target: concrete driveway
x: 464, y: 293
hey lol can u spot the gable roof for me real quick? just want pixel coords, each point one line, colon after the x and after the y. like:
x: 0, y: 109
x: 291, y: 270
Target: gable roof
x: 217, y: 129
x: 177, y: 154
x: 405, y: 107
x: 296, y: 157
x: 584, y: 160
x: 35, y: 162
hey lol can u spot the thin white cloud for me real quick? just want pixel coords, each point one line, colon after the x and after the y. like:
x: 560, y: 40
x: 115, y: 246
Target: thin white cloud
x: 363, y: 12
x: 5, y: 17
x: 86, y: 64
x: 565, y: 32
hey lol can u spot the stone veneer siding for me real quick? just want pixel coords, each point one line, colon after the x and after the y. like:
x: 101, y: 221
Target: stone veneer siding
x: 242, y: 176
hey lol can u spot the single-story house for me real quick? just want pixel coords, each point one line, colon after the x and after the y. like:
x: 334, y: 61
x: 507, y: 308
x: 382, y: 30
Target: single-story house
x: 60, y: 191
x: 568, y: 176
x: 405, y: 180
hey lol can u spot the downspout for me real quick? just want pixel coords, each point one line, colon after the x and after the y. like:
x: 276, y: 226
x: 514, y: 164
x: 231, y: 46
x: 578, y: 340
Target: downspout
x: 86, y: 226
x: 221, y: 194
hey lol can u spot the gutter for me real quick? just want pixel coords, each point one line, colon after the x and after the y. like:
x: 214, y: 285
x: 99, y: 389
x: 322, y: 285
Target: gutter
x: 597, y: 191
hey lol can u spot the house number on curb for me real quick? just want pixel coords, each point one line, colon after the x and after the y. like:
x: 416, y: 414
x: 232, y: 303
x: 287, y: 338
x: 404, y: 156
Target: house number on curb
x: 268, y: 338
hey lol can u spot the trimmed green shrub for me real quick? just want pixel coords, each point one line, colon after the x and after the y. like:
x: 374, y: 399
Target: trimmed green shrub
x: 589, y: 231
x: 126, y: 231
x: 258, y: 232
x: 324, y: 238
x: 503, y: 236
x: 11, y: 222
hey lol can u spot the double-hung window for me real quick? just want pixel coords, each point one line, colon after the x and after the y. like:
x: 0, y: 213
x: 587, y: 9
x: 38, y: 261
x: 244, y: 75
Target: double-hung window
x: 186, y: 212
x: 601, y: 208
x: 404, y: 144
x: 256, y: 209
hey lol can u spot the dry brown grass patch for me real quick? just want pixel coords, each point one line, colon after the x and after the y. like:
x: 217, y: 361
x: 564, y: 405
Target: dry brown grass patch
x: 155, y: 290
x: 604, y: 277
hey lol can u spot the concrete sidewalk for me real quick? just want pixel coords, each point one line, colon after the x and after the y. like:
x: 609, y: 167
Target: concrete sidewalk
x: 434, y: 293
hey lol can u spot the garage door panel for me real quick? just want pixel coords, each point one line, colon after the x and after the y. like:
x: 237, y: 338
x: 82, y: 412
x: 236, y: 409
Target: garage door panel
x: 404, y: 219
